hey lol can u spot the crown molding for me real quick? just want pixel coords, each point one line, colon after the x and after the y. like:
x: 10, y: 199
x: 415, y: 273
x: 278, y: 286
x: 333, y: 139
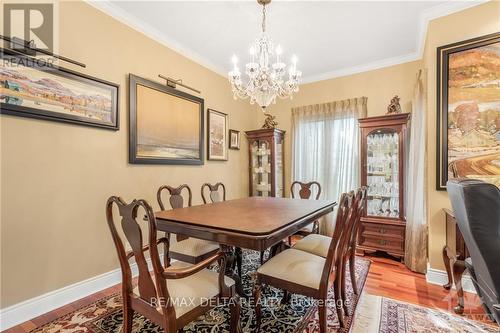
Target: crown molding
x: 362, y: 68
x: 450, y: 7
x: 107, y: 7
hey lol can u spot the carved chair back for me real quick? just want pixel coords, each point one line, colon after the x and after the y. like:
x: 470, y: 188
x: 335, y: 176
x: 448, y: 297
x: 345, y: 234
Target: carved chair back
x: 214, y: 193
x: 357, y: 223
x: 176, y: 199
x: 349, y: 208
x: 133, y: 234
x: 305, y: 189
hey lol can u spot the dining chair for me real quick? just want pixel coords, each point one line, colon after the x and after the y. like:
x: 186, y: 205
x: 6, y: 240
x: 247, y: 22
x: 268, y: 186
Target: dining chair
x: 213, y: 192
x: 172, y: 296
x: 318, y: 245
x: 187, y: 249
x: 217, y: 195
x: 304, y: 273
x: 305, y: 192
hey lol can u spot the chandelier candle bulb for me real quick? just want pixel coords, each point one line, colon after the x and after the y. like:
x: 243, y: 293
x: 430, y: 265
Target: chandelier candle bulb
x: 265, y: 79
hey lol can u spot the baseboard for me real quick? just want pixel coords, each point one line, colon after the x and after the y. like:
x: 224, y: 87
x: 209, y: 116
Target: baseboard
x: 437, y: 276
x: 29, y: 309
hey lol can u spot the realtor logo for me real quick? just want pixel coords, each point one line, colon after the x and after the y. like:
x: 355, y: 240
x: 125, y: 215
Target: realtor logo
x: 32, y: 22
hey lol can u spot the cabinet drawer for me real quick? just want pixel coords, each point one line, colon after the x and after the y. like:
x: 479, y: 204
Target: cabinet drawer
x: 382, y: 231
x: 382, y: 243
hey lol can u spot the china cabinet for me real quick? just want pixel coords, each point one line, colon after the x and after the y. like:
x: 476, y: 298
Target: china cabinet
x: 266, y: 162
x: 383, y: 162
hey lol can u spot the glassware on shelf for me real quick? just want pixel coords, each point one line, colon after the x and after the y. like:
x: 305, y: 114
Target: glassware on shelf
x: 382, y: 173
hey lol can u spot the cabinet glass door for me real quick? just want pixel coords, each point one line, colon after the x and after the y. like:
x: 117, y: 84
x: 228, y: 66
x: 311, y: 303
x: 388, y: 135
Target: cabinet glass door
x: 382, y: 173
x: 261, y: 168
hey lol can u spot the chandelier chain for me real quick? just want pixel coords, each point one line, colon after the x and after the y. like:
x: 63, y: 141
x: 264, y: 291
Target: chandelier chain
x: 263, y: 18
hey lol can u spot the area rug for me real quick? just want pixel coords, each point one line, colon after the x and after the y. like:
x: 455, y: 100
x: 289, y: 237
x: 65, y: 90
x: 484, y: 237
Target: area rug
x: 385, y: 315
x: 300, y: 315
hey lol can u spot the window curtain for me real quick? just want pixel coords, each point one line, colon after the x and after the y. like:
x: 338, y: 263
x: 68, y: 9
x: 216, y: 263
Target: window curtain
x: 416, y: 221
x: 326, y: 148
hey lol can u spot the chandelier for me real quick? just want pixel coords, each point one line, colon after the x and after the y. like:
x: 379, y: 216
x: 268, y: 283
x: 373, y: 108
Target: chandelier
x: 266, y: 80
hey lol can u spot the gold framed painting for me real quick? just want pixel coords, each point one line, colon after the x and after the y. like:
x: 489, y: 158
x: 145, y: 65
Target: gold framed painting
x: 468, y: 110
x: 217, y: 135
x: 166, y: 125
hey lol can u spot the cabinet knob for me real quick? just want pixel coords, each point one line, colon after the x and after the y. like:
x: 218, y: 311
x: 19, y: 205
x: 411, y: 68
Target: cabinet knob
x: 382, y: 242
x: 382, y: 231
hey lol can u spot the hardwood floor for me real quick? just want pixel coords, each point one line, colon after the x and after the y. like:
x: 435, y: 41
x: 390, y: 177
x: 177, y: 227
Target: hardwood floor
x: 386, y: 278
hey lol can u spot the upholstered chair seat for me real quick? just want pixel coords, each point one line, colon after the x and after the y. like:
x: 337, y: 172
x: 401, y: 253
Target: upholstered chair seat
x: 189, y: 292
x: 295, y: 266
x: 193, y: 247
x: 315, y: 244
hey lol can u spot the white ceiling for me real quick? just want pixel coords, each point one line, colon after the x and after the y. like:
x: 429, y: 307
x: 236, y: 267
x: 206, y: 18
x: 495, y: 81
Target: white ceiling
x: 330, y: 38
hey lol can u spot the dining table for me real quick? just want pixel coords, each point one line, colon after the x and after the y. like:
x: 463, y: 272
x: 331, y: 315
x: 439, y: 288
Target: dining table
x: 255, y: 223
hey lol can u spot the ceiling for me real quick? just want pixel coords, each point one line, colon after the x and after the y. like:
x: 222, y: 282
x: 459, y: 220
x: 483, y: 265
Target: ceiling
x: 330, y: 38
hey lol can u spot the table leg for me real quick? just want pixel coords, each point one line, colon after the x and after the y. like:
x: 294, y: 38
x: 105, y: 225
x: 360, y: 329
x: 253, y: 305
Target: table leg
x: 230, y: 254
x: 458, y: 271
x: 447, y: 258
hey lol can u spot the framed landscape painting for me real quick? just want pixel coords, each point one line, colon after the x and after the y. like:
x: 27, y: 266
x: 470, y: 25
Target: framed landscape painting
x: 166, y: 125
x: 37, y: 90
x: 217, y: 135
x: 468, y: 110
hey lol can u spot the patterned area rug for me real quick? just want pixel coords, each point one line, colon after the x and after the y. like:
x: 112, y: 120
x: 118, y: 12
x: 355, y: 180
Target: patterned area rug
x: 300, y: 315
x: 380, y: 314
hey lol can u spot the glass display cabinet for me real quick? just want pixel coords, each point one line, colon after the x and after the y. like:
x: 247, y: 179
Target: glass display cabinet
x: 266, y: 158
x: 383, y: 162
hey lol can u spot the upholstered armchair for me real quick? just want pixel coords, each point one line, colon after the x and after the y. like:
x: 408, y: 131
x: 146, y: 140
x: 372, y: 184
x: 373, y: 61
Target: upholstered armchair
x: 476, y: 205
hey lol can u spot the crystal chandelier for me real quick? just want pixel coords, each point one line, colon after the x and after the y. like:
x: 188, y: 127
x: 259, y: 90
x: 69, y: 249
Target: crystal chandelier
x: 266, y: 80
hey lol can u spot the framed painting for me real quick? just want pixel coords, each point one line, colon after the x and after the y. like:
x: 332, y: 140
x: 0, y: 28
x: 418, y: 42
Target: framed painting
x: 38, y: 89
x: 468, y: 110
x: 234, y: 139
x: 217, y: 135
x: 166, y: 125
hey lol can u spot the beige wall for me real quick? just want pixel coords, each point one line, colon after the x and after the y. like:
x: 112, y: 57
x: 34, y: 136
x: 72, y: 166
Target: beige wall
x: 378, y: 85
x: 471, y: 23
x: 56, y: 177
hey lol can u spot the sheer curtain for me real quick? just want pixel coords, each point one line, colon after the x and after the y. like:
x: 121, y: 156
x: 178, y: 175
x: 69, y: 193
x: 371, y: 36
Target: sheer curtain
x: 416, y: 223
x: 326, y: 147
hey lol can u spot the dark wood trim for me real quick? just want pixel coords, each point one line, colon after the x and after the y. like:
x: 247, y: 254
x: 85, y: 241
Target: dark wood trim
x: 135, y: 80
x: 27, y: 112
x: 442, y: 55
x: 209, y: 157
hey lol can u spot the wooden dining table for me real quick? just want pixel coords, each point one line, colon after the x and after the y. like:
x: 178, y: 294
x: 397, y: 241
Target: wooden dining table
x: 255, y: 223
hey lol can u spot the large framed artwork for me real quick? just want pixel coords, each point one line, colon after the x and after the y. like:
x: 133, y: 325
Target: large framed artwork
x: 166, y: 125
x: 468, y: 110
x: 217, y: 135
x: 36, y: 89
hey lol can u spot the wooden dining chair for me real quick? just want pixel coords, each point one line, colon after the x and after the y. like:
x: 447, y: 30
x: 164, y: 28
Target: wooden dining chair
x: 214, y: 194
x: 318, y: 245
x: 173, y: 296
x: 305, y: 192
x: 217, y: 195
x: 190, y: 250
x: 304, y: 273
